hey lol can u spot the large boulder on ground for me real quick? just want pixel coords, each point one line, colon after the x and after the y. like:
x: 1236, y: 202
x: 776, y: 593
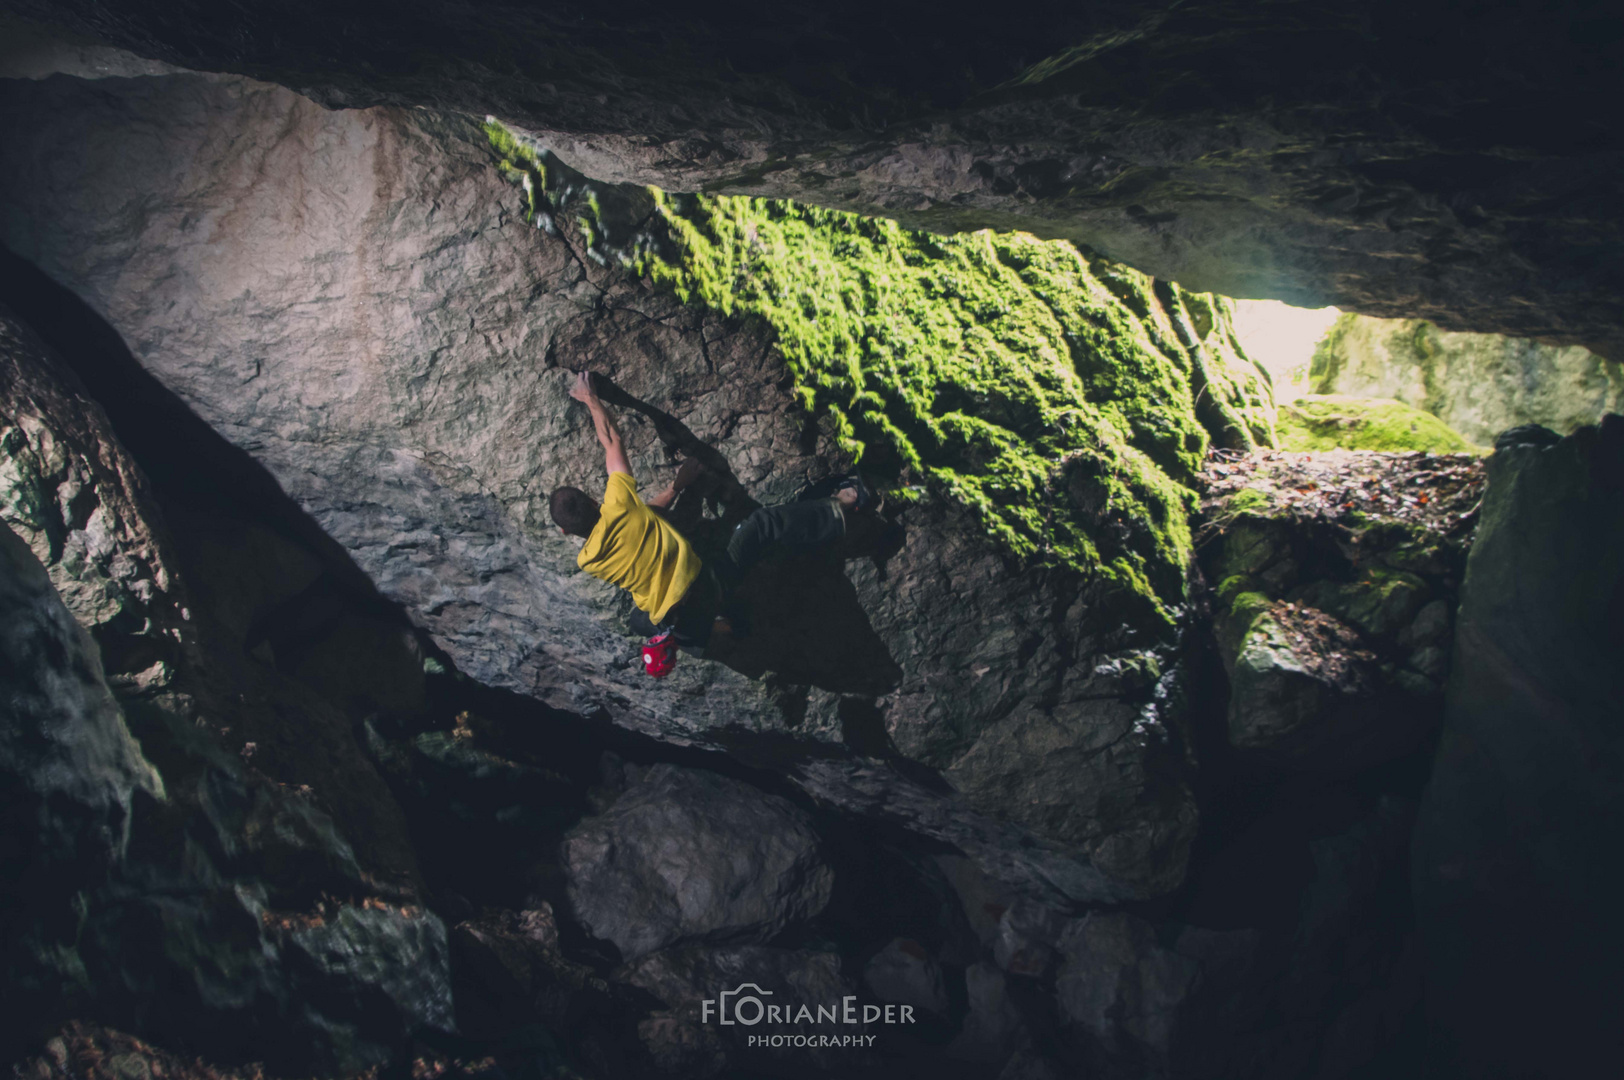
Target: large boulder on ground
x: 1313, y: 980
x: 1123, y: 992
x: 1520, y: 823
x: 904, y: 972
x: 993, y: 1026
x: 689, y: 856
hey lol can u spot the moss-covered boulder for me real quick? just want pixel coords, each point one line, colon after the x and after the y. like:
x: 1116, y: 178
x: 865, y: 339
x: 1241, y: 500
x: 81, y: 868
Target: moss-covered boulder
x: 1335, y: 577
x: 1477, y: 384
x: 1336, y: 421
x: 1052, y: 392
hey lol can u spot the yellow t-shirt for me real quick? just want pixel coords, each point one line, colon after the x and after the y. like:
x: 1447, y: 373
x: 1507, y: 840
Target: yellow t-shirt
x: 633, y: 547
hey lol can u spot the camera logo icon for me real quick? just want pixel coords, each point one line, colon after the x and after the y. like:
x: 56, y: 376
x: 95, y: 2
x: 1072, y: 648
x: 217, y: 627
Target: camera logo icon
x: 737, y: 1006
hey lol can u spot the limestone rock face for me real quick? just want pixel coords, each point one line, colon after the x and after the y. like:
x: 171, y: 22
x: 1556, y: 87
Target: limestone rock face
x: 1478, y: 384
x: 689, y: 856
x: 176, y: 882
x: 1525, y: 784
x: 1123, y: 989
x: 1365, y: 154
x: 351, y: 298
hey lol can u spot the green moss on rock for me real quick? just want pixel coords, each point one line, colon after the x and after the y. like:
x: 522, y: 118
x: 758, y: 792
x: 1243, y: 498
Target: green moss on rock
x: 1326, y: 422
x: 1050, y: 392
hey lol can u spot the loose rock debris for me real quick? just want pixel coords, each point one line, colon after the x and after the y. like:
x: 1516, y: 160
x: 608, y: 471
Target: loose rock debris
x: 1353, y: 488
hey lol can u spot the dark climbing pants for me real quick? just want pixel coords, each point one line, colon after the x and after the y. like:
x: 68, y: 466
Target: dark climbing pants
x: 797, y: 525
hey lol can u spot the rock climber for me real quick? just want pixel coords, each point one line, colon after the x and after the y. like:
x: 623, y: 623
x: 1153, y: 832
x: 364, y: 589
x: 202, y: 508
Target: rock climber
x: 629, y: 545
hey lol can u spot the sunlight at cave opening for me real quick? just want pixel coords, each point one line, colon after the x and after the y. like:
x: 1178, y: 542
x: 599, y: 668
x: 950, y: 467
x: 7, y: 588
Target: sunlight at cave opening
x: 1282, y: 338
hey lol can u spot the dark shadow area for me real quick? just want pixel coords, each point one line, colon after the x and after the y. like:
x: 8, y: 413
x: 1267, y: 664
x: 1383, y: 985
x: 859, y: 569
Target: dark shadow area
x: 189, y: 463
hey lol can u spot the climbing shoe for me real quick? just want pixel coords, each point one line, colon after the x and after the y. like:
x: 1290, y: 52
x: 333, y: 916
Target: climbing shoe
x: 867, y: 499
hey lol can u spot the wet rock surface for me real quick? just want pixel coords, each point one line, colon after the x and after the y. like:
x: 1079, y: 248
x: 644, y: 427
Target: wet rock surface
x: 1397, y: 160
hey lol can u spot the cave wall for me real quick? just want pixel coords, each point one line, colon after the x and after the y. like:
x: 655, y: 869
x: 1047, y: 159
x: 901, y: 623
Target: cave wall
x: 1520, y: 938
x: 411, y: 408
x: 1397, y: 159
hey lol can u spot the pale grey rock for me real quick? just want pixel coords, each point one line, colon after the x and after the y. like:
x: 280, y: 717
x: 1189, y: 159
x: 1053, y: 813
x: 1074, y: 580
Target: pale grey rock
x: 905, y: 973
x: 351, y: 298
x: 992, y: 1026
x: 1027, y: 935
x: 1478, y: 384
x: 690, y: 856
x: 1430, y: 627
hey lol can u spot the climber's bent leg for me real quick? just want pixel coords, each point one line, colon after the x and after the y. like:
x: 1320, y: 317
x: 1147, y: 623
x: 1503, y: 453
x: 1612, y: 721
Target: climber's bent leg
x: 794, y: 525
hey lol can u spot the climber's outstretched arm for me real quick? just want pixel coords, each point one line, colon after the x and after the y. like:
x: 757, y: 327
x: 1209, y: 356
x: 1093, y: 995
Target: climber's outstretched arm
x: 614, y: 454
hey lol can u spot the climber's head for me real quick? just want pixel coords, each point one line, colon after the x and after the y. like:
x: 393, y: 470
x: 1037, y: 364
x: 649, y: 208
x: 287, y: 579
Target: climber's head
x: 574, y: 511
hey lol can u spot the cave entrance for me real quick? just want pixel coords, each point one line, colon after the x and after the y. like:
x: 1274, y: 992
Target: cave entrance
x: 1356, y: 382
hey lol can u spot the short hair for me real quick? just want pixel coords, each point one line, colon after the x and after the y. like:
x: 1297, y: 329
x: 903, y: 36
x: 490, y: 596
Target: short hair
x: 574, y: 510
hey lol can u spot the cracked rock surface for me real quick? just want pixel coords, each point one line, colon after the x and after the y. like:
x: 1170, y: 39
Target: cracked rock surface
x: 349, y: 298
